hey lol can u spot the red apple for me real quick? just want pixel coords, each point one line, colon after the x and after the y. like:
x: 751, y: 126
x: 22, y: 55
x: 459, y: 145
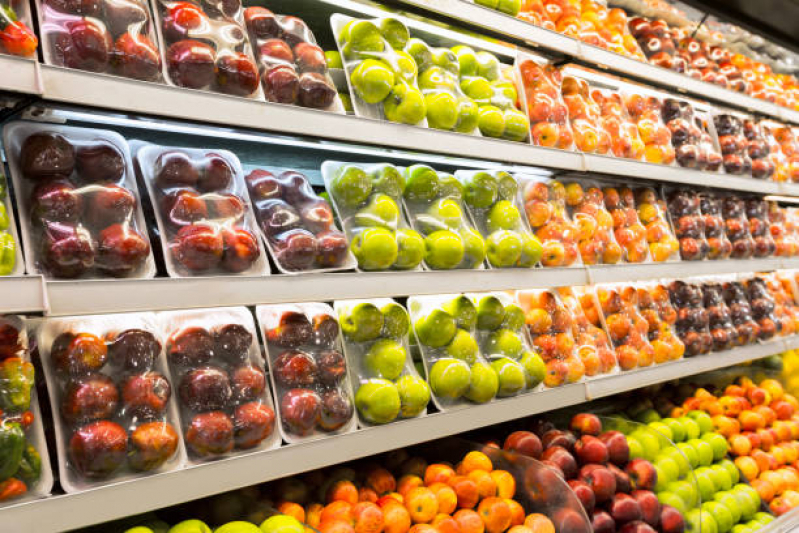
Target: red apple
x: 252, y: 423
x: 88, y: 398
x: 601, y: 481
x: 586, y: 424
x: 562, y: 458
x: 152, y: 445
x: 525, y: 443
x: 624, y: 508
x: 146, y: 395
x: 602, y: 522
x: 121, y: 250
x: 210, y: 433
x: 96, y: 450
x: 642, y: 474
x: 671, y: 520
x: 590, y: 449
x: 618, y: 450
x: 584, y: 494
x: 205, y: 388
x: 300, y: 410
x: 191, y: 346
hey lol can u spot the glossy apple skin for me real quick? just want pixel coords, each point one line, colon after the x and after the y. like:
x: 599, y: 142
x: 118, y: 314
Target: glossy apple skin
x: 253, y: 422
x: 337, y: 410
x: 241, y: 250
x: 300, y: 410
x: 92, y: 397
x: 110, y: 205
x: 232, y: 343
x: 146, y: 395
x: 236, y: 74
x: 100, y: 162
x: 98, y: 449
x: 153, y: 444
x: 121, y: 250
x: 248, y: 382
x: 205, y: 388
x: 198, y: 248
x: 133, y: 349
x: 209, y: 434
x: 137, y: 57
x: 325, y: 332
x: 67, y: 251
x: 192, y: 346
x: 56, y: 200
x: 191, y: 64
x: 78, y: 353
x: 46, y: 155
x: 83, y: 44
x: 293, y: 330
x: 294, y: 368
x: 331, y: 366
x: 174, y: 169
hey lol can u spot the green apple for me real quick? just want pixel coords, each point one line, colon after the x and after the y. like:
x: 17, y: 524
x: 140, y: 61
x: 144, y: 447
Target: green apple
x: 704, y: 451
x: 404, y: 67
x: 704, y: 484
x: 362, y: 38
x: 363, y: 323
x: 690, y: 453
x: 721, y: 477
x: 437, y: 79
x: 504, y: 93
x: 405, y: 104
x: 474, y: 247
x: 646, y: 416
x: 742, y: 528
x: 351, y: 186
x: 488, y: 66
x: 677, y: 429
x: 378, y: 401
x: 395, y: 320
x: 435, y: 329
x: 386, y: 179
x: 395, y: 32
x: 728, y: 500
x: 484, y: 383
x: 504, y: 248
x: 669, y: 498
x: 442, y: 110
x: 668, y: 470
x: 514, y: 317
x: 512, y: 378
x: 386, y: 359
x: 754, y: 525
x: 650, y: 442
x: 468, y: 116
x: 381, y: 211
x: 239, y: 526
x: 692, y: 430
x: 446, y: 59
x: 450, y: 187
x: 463, y: 347
x: 444, y: 250
x: 764, y: 518
x: 491, y: 4
x: 491, y: 121
x: 636, y: 448
x: 144, y: 529
x: 192, y: 526
x: 748, y: 499
x: 686, y: 491
x: 490, y: 313
x: 467, y: 60
x: 517, y: 125
x: 463, y: 311
x: 677, y: 456
x: 375, y: 248
x: 721, y: 515
x: 482, y: 190
x: 532, y: 251
x: 697, y: 520
x: 421, y: 53
x: 506, y: 185
x: 333, y: 59
x: 703, y: 419
x: 450, y: 378
x: 503, y: 215
x: 661, y: 428
x: 421, y: 183
x: 414, y: 395
x: 478, y: 89
x: 534, y: 368
x: 410, y: 249
x: 372, y: 80
x: 282, y: 524
x: 510, y: 7
x: 718, y: 443
x: 504, y: 342
x: 731, y: 469
x: 448, y: 211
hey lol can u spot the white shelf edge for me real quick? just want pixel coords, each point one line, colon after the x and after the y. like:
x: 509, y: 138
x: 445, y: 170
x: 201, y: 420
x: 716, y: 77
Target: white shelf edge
x: 22, y: 294
x: 19, y: 75
x: 785, y: 523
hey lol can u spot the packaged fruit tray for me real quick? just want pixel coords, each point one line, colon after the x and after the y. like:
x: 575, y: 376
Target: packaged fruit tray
x: 492, y: 199
x: 434, y: 204
x: 106, y: 37
x: 17, y: 37
x: 224, y: 398
x: 386, y: 384
x: 205, y: 46
x: 692, y: 325
x: 368, y: 202
x: 760, y: 227
x: 653, y: 214
x: 76, y: 193
x: 203, y: 212
x: 298, y: 225
x: 628, y: 230
x: 11, y: 261
x: 732, y: 141
x: 292, y: 66
x: 111, y: 398
x: 689, y: 223
x: 308, y: 370
x: 29, y: 476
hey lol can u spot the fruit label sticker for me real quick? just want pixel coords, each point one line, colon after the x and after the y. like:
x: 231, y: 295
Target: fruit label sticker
x: 203, y: 212
x: 434, y: 203
x: 492, y: 199
x: 292, y: 66
x: 297, y: 224
x: 77, y: 196
x: 308, y: 370
x: 225, y: 403
x: 387, y: 385
x: 11, y: 262
x: 111, y: 398
x: 368, y: 202
x: 25, y: 472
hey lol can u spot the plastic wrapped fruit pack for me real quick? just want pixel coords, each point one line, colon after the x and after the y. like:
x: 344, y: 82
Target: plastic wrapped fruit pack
x: 757, y: 213
x: 763, y: 306
x: 434, y: 201
x: 718, y: 245
x: 692, y: 318
x: 308, y: 370
x: 492, y: 200
x: 625, y: 141
x: 25, y: 469
x: 387, y: 386
x: 596, y: 242
x: 785, y: 307
x: 10, y: 251
x: 206, y: 47
x: 652, y: 212
x: 292, y: 67
x: 584, y: 116
x: 719, y: 316
x: 490, y: 84
x: 550, y: 324
x: 76, y: 192
x: 784, y: 137
x: 688, y: 222
x: 381, y: 75
x: 645, y: 111
x: 782, y: 226
x: 16, y: 36
x: 661, y: 333
x: 778, y: 159
x: 590, y: 340
x: 297, y: 224
x: 545, y: 207
x: 116, y: 37
x: 203, y: 213
x: 630, y: 234
x: 757, y: 148
x: 702, y: 59
x: 549, y: 116
x: 736, y: 226
x: 110, y: 393
x: 654, y: 38
x: 224, y: 398
x: 606, y: 28
x: 746, y: 329
x: 368, y: 201
x: 733, y: 143
x: 693, y: 145
x: 445, y: 329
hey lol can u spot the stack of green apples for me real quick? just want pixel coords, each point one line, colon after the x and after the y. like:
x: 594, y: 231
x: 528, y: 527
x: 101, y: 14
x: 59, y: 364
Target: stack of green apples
x: 375, y: 342
x: 435, y: 207
x: 381, y: 73
x: 716, y: 498
x: 510, y: 7
x: 367, y: 200
x: 491, y: 197
x: 501, y: 336
x: 483, y: 80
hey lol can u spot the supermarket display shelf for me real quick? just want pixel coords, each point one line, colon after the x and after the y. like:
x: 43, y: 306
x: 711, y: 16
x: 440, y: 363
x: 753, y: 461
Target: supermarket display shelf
x: 108, y: 296
x: 787, y: 522
x: 60, y: 513
x: 22, y: 294
x: 19, y: 75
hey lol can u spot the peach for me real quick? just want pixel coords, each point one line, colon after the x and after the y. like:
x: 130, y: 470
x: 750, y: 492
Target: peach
x: 773, y: 387
x: 469, y: 521
x: 740, y: 445
x: 446, y: 496
x: 422, y: 505
x: 766, y: 412
x: 748, y: 467
x: 539, y: 523
x: 292, y: 509
x: 408, y: 482
x: 422, y: 528
x: 520, y: 529
x: 758, y: 396
x: 765, y: 461
x: 368, y: 518
x: 336, y: 526
x: 438, y: 472
x: 726, y: 426
x: 776, y: 480
x: 784, y: 410
x: 466, y: 490
x: 381, y: 481
x: 396, y: 518
x: 516, y: 512
x: 764, y: 489
x: 486, y: 486
x: 506, y: 484
x: 336, y: 511
x: 751, y: 421
x: 730, y: 405
x: 475, y: 461
x: 444, y: 523
x: 391, y: 497
x: 495, y: 514
x: 313, y: 514
x: 365, y: 494
x: 344, y: 491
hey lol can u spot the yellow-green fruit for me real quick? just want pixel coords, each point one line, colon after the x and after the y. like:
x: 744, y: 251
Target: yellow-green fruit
x: 491, y: 121
x: 346, y: 101
x: 361, y: 37
x: 351, y: 186
x: 474, y: 247
x: 446, y: 59
x: 437, y: 78
x: 507, y: 185
x: 504, y: 342
x: 333, y: 59
x: 449, y: 186
x: 503, y: 215
x: 404, y: 66
x: 450, y: 378
x: 436, y: 329
x: 467, y: 60
x: 411, y: 249
x: 442, y: 110
x: 378, y: 401
x: 484, y: 383
x: 395, y: 32
x: 363, y: 323
x: 463, y: 347
x: 504, y: 93
x: 532, y: 250
x: 375, y: 249
x: 512, y: 378
x: 468, y: 116
x: 447, y: 211
x: 510, y: 7
x: 491, y: 4
x: 463, y: 311
x: 514, y: 317
x: 504, y: 248
x: 388, y: 180
x: 481, y: 190
x: 444, y: 250
x: 534, y: 368
x: 517, y: 126
x: 405, y: 104
x: 421, y: 183
x: 191, y: 526
x: 488, y: 66
x: 478, y: 89
x: 414, y: 395
x: 239, y: 526
x: 385, y: 359
x: 381, y: 211
x: 490, y: 313
x: 373, y: 80
x: 420, y: 52
x: 396, y: 322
